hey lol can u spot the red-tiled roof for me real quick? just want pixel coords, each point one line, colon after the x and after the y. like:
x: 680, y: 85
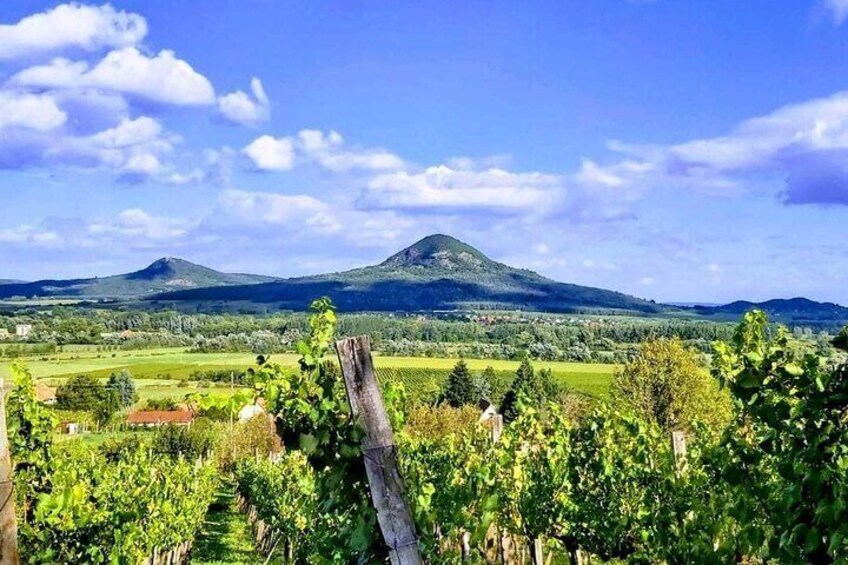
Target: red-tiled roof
x: 159, y: 417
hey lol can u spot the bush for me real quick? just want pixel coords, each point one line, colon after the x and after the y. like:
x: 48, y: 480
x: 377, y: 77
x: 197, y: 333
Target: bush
x: 436, y: 422
x: 255, y: 436
x: 665, y: 384
x: 186, y: 441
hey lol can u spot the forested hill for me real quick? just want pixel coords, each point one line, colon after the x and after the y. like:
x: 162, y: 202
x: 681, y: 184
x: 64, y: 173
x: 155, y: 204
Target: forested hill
x: 165, y: 274
x: 438, y: 272
x: 798, y: 311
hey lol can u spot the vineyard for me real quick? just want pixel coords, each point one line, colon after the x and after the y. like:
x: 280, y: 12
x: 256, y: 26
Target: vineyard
x: 610, y: 486
x: 767, y: 484
x: 117, y: 504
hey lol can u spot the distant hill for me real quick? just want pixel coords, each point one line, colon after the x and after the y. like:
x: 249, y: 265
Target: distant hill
x: 11, y: 281
x: 799, y: 311
x: 438, y: 272
x: 165, y: 274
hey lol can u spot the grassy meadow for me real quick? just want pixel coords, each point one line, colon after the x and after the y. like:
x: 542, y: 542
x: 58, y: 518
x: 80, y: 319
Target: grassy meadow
x: 167, y: 372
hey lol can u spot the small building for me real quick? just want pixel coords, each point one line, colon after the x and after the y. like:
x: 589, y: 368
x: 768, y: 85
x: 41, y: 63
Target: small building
x: 487, y: 410
x: 45, y: 394
x: 23, y: 330
x: 70, y: 428
x: 4, y: 334
x: 156, y: 418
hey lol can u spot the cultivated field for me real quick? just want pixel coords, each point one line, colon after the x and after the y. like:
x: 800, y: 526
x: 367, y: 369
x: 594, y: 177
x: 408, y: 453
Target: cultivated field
x: 159, y: 372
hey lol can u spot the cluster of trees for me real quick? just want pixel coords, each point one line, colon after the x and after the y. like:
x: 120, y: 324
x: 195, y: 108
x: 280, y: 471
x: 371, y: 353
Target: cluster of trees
x: 464, y: 388
x: 86, y: 393
x: 508, y: 337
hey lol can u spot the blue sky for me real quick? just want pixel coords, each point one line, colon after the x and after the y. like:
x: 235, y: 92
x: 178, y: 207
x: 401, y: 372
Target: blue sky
x: 678, y: 151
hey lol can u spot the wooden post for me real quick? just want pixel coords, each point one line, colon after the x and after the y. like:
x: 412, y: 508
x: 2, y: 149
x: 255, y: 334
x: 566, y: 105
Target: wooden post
x: 8, y: 521
x: 579, y: 557
x: 497, y: 427
x: 537, y: 556
x: 378, y: 448
x: 678, y: 446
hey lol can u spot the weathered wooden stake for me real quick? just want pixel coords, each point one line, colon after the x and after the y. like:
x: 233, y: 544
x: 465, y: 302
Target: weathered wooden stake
x: 579, y: 557
x: 497, y: 427
x: 536, y: 553
x: 8, y: 521
x: 378, y: 448
x: 678, y: 446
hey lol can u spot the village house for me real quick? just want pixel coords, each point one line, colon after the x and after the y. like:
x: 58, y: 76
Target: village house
x: 23, y: 330
x: 156, y: 418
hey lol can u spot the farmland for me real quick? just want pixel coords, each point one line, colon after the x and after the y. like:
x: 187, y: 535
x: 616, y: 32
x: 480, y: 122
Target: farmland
x: 172, y: 372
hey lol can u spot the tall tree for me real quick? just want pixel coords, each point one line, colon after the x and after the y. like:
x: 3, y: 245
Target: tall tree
x: 483, y: 382
x: 529, y: 386
x: 122, y: 383
x: 459, y: 389
x: 665, y: 384
x: 80, y: 392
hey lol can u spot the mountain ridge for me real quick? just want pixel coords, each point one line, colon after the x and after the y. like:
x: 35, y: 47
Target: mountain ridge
x: 438, y: 272
x: 798, y: 310
x: 166, y: 273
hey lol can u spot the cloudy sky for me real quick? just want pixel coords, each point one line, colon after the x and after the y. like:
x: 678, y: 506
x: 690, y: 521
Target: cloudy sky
x: 679, y: 151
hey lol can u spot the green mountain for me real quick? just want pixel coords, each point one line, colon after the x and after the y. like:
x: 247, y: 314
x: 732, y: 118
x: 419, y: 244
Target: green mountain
x: 163, y: 275
x: 437, y: 273
x: 792, y: 311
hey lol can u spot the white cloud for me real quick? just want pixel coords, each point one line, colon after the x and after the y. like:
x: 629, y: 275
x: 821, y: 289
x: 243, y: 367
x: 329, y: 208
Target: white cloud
x: 314, y: 146
x: 441, y: 187
x: 162, y: 78
x: 838, y: 10
x: 133, y: 147
x: 278, y: 210
x: 238, y: 107
x: 271, y: 154
x: 32, y: 111
x: 805, y: 143
x: 71, y: 25
x: 135, y: 222
x: 329, y: 151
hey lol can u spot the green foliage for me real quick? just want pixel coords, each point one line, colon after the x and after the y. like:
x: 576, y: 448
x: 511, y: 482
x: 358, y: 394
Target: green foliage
x: 459, y: 389
x: 665, y: 384
x: 841, y: 340
x: 83, y: 392
x: 436, y: 422
x: 529, y: 388
x: 123, y: 384
x: 285, y: 494
x: 166, y: 404
x: 313, y: 416
x: 190, y: 442
x: 119, y: 511
x: 787, y: 458
x: 256, y: 436
x: 79, y: 393
x: 30, y: 430
x: 82, y: 505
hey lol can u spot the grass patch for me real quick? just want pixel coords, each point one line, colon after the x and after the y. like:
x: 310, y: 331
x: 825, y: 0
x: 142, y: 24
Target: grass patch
x: 226, y: 537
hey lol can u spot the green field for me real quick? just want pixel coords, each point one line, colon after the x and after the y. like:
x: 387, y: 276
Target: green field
x: 158, y: 371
